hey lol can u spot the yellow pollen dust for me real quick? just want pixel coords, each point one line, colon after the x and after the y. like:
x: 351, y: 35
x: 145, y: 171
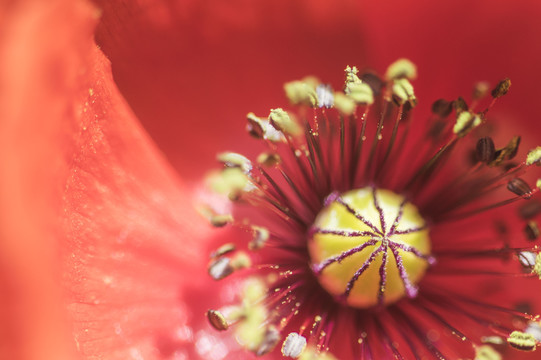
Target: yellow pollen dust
x: 369, y: 246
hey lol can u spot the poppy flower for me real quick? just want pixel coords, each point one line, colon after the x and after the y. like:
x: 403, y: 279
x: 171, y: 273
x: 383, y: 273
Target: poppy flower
x: 103, y: 255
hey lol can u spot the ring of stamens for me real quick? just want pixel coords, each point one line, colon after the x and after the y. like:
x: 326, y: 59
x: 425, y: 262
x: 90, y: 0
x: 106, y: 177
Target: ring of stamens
x: 353, y: 239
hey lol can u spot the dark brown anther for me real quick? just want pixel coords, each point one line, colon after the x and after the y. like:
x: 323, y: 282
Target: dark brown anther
x: 530, y: 209
x: 460, y: 105
x: 217, y: 320
x: 254, y: 128
x: 442, y: 107
x: 532, y: 230
x: 373, y: 81
x: 486, y: 152
x: 270, y: 340
x: 501, y: 89
x: 506, y: 153
x: 519, y: 187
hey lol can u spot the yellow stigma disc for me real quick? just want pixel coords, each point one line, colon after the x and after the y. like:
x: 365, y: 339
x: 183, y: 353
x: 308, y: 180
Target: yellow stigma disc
x: 356, y: 233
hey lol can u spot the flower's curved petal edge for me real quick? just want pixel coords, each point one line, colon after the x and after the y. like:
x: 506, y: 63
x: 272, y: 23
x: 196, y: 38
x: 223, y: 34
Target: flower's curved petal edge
x: 99, y: 239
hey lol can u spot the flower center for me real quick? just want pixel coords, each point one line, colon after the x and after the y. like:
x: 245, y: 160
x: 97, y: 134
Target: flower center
x: 369, y: 246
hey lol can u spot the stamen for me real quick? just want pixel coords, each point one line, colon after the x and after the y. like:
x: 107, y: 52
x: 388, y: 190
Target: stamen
x: 217, y: 320
x: 534, y: 157
x: 486, y: 352
x: 486, y: 152
x: 293, y: 345
x: 532, y: 230
x: 522, y: 341
x: 343, y: 247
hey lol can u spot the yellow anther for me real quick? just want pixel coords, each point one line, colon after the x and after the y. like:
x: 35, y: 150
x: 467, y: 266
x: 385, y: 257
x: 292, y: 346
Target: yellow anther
x: 403, y: 92
x: 310, y: 353
x: 534, y: 156
x: 241, y: 260
x: 281, y: 121
x: 401, y: 68
x: 486, y: 352
x: 252, y: 315
x: 466, y: 121
x: 259, y: 239
x: 522, y: 341
x: 269, y: 159
x: 234, y: 160
x: 215, y: 219
x: 537, y: 266
x: 300, y: 92
x: 358, y: 91
x: 231, y: 181
x: 262, y: 129
x: 344, y: 104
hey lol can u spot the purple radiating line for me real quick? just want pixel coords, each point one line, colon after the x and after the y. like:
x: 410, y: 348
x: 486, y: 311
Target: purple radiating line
x: 409, y: 231
x: 358, y: 216
x: 380, y: 211
x: 382, y: 276
x: 343, y: 232
x: 411, y: 290
x: 397, y: 218
x: 431, y: 260
x: 318, y: 268
x: 361, y: 270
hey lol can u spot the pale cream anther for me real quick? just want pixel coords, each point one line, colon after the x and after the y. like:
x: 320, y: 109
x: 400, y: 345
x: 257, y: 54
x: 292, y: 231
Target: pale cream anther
x: 325, y: 96
x: 261, y: 128
x: 344, y: 104
x: 401, y: 68
x: 281, y: 121
x: 466, y: 121
x: 486, y: 352
x: 293, y: 345
x: 260, y: 236
x: 527, y: 258
x: 220, y: 268
x: 311, y: 353
x: 522, y: 341
x: 403, y: 92
x: 300, y: 92
x: 534, y: 157
x: 241, y: 260
x: 268, y: 159
x: 234, y: 160
x: 358, y: 91
x: 537, y: 266
x: 534, y: 329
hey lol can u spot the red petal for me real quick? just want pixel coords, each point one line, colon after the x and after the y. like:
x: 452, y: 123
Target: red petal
x: 128, y: 240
